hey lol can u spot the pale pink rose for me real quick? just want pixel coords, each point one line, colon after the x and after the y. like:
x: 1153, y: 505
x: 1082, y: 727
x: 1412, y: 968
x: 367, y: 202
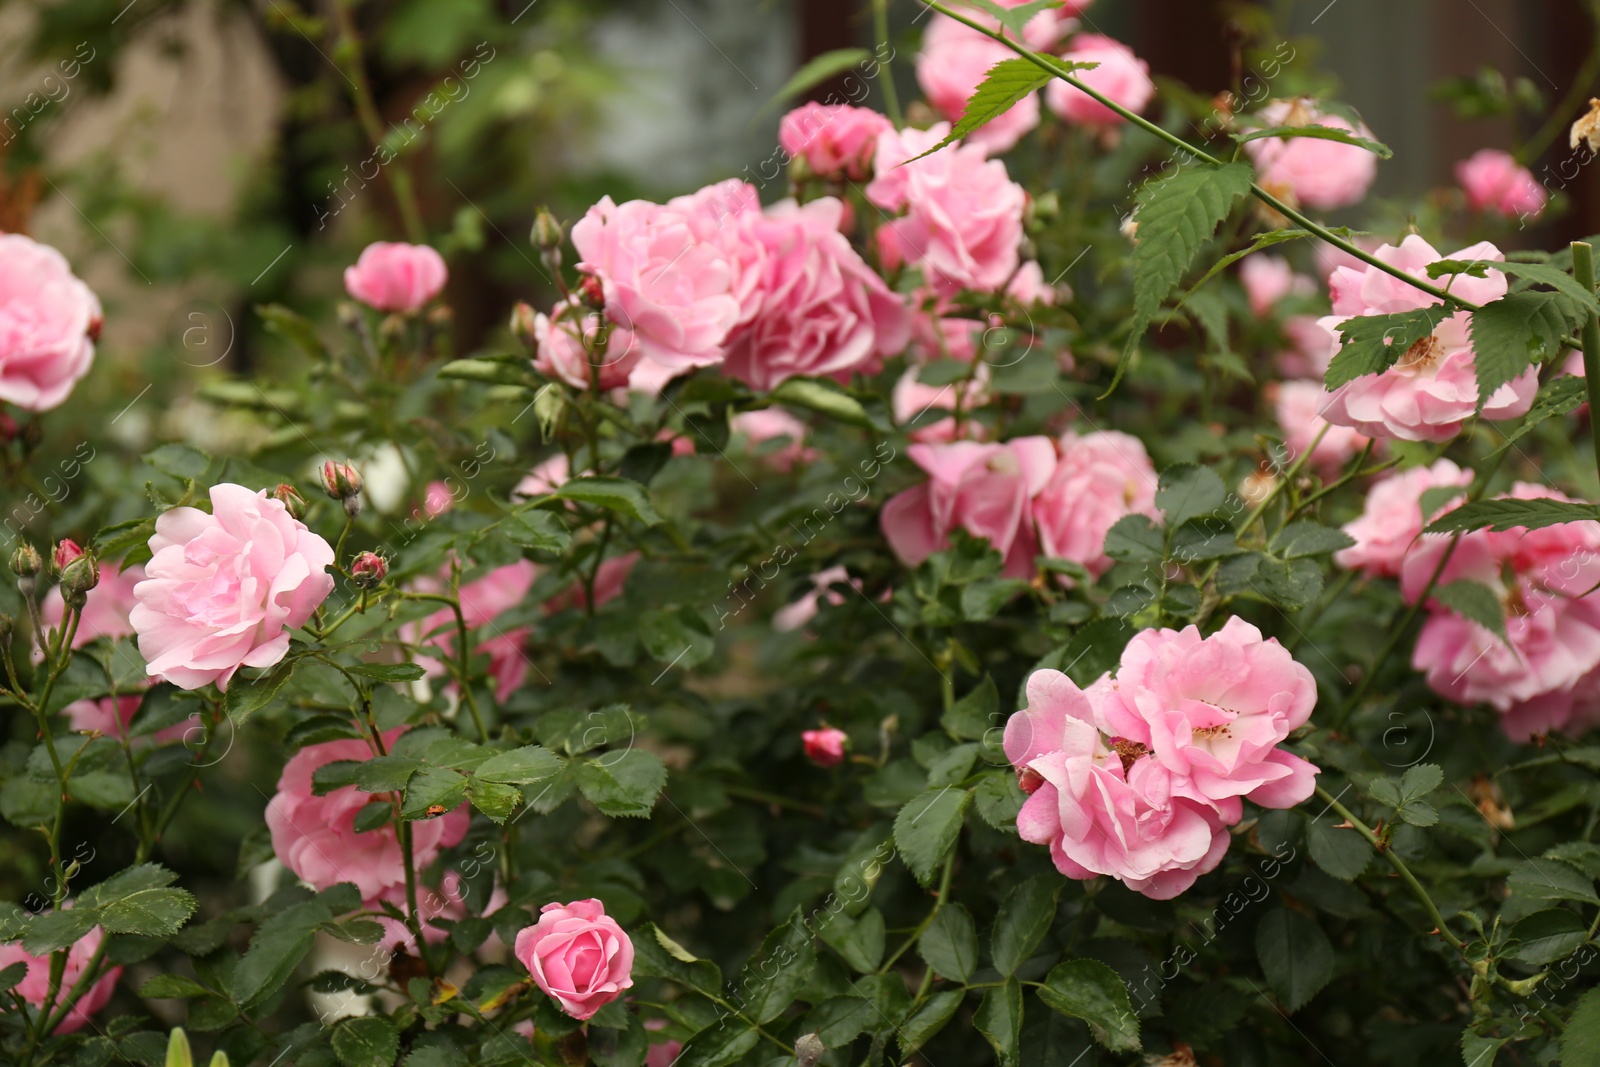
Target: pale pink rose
x: 1268, y: 279
x: 793, y: 616
x: 773, y: 424
x: 578, y: 955
x: 1028, y: 287
x: 835, y: 140
x: 545, y: 478
x: 393, y: 276
x: 437, y: 499
x: 1330, y: 258
x: 1299, y: 407
x: 650, y: 377
x: 911, y: 398
x: 565, y: 340
x: 1103, y: 809
x: 661, y: 1053
x: 963, y: 221
x: 35, y: 985
x: 1121, y: 77
x: 821, y: 310
x: 1494, y: 181
x: 315, y: 836
x: 1311, y: 348
x: 49, y: 321
x: 824, y: 747
x: 105, y: 610
x: 1310, y: 171
x: 1212, y: 710
x: 448, y: 903
x: 1391, y: 519
x: 111, y: 716
x: 954, y: 61
x: 1101, y: 477
x: 222, y: 591
x: 609, y: 582
x: 985, y: 489
x: 665, y: 275
x: 1432, y: 389
x: 482, y: 600
x: 1572, y: 712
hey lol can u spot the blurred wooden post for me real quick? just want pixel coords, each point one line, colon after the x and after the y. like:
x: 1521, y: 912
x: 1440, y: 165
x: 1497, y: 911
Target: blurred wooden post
x: 826, y: 25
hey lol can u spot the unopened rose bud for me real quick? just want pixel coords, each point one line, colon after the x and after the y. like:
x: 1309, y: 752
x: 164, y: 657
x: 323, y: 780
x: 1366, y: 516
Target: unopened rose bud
x: 368, y: 570
x: 349, y: 315
x: 522, y: 317
x: 591, y: 292
x: 800, y: 170
x: 546, y: 234
x: 65, y: 552
x: 824, y: 747
x: 8, y: 429
x: 441, y: 317
x: 341, y: 480
x: 25, y: 561
x: 392, y: 328
x: 808, y: 1049
x: 290, y: 498
x: 77, y: 578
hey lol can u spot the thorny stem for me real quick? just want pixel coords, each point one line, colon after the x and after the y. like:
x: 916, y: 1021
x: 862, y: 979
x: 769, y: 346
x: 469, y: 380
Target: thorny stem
x: 927, y: 921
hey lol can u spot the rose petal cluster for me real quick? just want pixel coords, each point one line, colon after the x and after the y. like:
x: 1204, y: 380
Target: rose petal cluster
x: 1121, y: 77
x: 1392, y: 518
x: 1311, y: 171
x: 35, y: 985
x: 954, y: 61
x: 222, y: 590
x: 394, y: 276
x: 568, y: 346
x: 1432, y: 388
x: 482, y: 601
x: 1300, y: 406
x: 1494, y: 181
x: 1099, y: 478
x: 1268, y: 279
x: 837, y: 141
x: 316, y: 838
x: 49, y: 321
x: 578, y: 955
x: 1139, y: 776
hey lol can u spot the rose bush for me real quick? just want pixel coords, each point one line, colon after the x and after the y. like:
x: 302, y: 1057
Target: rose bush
x: 943, y: 610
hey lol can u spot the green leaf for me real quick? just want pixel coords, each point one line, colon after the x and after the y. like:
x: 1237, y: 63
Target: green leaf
x: 658, y: 956
x: 614, y: 494
x: 1135, y: 539
x: 1547, y: 936
x: 11, y: 975
x: 860, y: 940
x: 1006, y: 83
x: 971, y: 717
x: 520, y: 766
x: 276, y: 949
x: 368, y: 1041
x: 1262, y: 240
x: 950, y: 943
x: 1295, y: 956
x: 246, y: 696
x: 1479, y: 1051
x: 999, y: 799
x: 294, y: 328
x: 172, y: 987
x: 1024, y: 919
x: 1370, y: 344
x: 824, y: 397
x: 1187, y: 491
x: 181, y: 461
x: 815, y: 72
x: 1089, y: 990
x: 623, y: 784
x: 1176, y: 215
x: 1558, y: 396
x: 999, y: 1018
x: 772, y: 980
x: 493, y: 799
x: 389, y: 672
x: 1502, y: 515
x: 1475, y: 602
x: 719, y: 1044
x: 929, y: 1020
x: 381, y: 774
x: 1580, y: 1041
x: 59, y: 929
x: 1016, y: 17
x: 927, y: 827
x: 431, y: 792
x: 1342, y: 853
x: 1301, y: 539
x: 148, y: 912
x: 133, y: 880
x: 1550, y: 880
x: 1516, y: 330
x: 840, y: 1020
x: 983, y: 599
x: 1324, y: 133
x: 537, y: 529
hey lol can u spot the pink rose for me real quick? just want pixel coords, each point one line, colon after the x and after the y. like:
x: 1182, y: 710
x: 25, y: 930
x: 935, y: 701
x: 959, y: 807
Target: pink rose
x: 665, y: 274
x: 820, y: 310
x: 111, y: 716
x: 912, y: 398
x: 1311, y: 348
x: 1104, y: 808
x: 793, y: 616
x: 1542, y: 579
x: 773, y: 424
x: 1101, y: 477
x: 963, y: 221
x: 564, y: 341
x: 1310, y: 171
x: 1121, y: 77
x: 1432, y: 389
x: 1391, y: 519
x: 105, y: 610
x: 437, y: 499
x: 315, y: 836
x: 393, y: 276
x: 448, y: 902
x: 545, y: 478
x: 1268, y: 279
x: 1494, y: 181
x: 985, y: 489
x: 578, y: 955
x: 1212, y: 711
x: 953, y: 63
x: 824, y: 747
x: 836, y: 141
x: 35, y: 985
x: 1299, y: 407
x: 482, y: 601
x: 49, y: 321
x: 609, y: 582
x: 222, y: 591
x: 661, y: 1053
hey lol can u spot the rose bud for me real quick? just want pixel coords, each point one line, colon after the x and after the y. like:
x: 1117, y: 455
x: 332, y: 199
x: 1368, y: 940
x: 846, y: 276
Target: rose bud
x: 8, y: 429
x: 66, y: 551
x: 349, y: 315
x: 546, y: 230
x: 368, y: 570
x: 578, y: 955
x: 522, y: 324
x: 341, y: 480
x: 290, y: 498
x: 77, y: 578
x: 25, y: 561
x: 824, y: 747
x: 591, y: 292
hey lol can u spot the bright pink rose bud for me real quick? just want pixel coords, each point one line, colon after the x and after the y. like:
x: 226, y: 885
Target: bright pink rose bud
x: 290, y: 498
x: 836, y: 141
x: 66, y: 551
x: 392, y: 276
x: 825, y: 747
x: 1495, y: 181
x: 105, y: 612
x: 1121, y: 77
x: 522, y: 324
x: 578, y: 955
x: 48, y: 324
x: 36, y: 986
x: 77, y: 578
x: 223, y: 590
x: 368, y: 570
x: 1311, y: 171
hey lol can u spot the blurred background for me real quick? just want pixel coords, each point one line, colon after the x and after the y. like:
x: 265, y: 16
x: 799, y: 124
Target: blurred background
x: 194, y: 158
